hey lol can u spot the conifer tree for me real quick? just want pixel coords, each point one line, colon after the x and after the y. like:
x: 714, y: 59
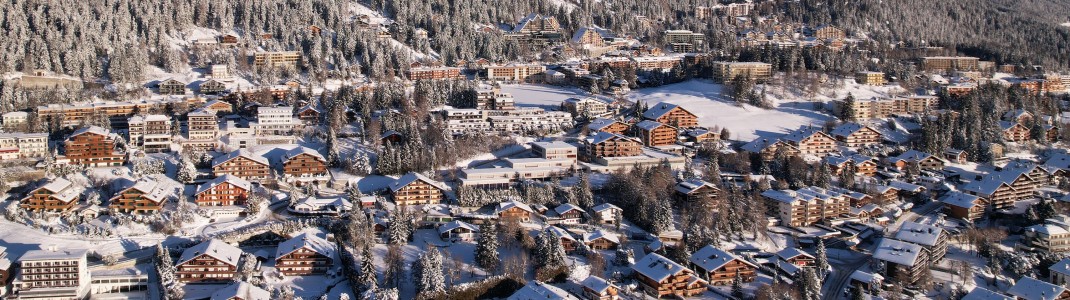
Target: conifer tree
x: 487, y: 247
x: 821, y: 259
x: 367, y: 278
x: 427, y: 273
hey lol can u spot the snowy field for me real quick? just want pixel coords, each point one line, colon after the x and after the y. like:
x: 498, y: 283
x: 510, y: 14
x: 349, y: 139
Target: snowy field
x: 544, y: 96
x: 708, y: 101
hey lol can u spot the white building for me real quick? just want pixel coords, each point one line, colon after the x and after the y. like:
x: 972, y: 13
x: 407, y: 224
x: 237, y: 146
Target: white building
x: 274, y: 121
x: 531, y: 119
x: 555, y: 150
x: 23, y: 145
x: 466, y: 120
x: 588, y: 106
x: 151, y: 132
x: 15, y: 118
x: 52, y: 274
x: 221, y: 73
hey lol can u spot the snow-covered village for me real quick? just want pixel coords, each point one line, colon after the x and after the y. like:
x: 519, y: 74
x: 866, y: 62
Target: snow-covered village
x: 534, y: 149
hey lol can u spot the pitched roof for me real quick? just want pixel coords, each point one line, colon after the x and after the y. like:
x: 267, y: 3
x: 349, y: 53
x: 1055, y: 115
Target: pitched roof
x: 216, y: 249
x: 898, y: 252
x: 597, y: 284
x: 658, y: 267
x: 233, y: 180
x: 710, y: 258
x: 1029, y: 288
x: 456, y: 224
x: 914, y: 156
x: 649, y: 125
x: 600, y: 123
x: 536, y: 290
x: 691, y: 185
x: 599, y: 234
x: 242, y: 290
x: 564, y: 208
x: 57, y: 185
x: 302, y: 150
x: 789, y: 253
x: 922, y: 234
x: 603, y: 33
x: 660, y: 109
x: 979, y: 293
x: 603, y: 207
x: 307, y: 241
x: 506, y: 205
x: 760, y: 144
x: 960, y: 199
x: 1061, y: 267
x: 602, y: 136
x: 240, y: 153
x: 806, y: 132
x: 153, y: 189
x: 411, y: 177
x: 847, y: 129
x: 90, y: 129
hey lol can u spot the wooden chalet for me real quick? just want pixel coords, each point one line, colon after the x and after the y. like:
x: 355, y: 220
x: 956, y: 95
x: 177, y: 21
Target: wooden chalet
x: 59, y: 195
x: 963, y: 206
x: 93, y: 147
x: 767, y: 148
x: 241, y: 290
x: 695, y: 189
x: 513, y: 211
x: 655, y: 134
x: 457, y: 231
x: 415, y: 189
x: 796, y: 257
x: 222, y: 191
x: 811, y: 141
x: 672, y: 115
x: 601, y: 240
x: 925, y: 161
x: 565, y: 214
x: 242, y: 164
x: 309, y: 115
x: 606, y: 144
x: 606, y: 213
x: 171, y: 87
x: 148, y: 194
x: 210, y: 261
x: 856, y: 135
x: 596, y: 288
x: 607, y: 125
x: 305, y: 254
x: 304, y: 165
x: 659, y: 277
x: 219, y: 106
x: 721, y: 267
x: 212, y: 87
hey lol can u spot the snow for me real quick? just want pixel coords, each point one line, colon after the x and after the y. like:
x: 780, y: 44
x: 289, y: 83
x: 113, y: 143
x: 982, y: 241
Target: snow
x: 714, y: 109
x: 544, y: 96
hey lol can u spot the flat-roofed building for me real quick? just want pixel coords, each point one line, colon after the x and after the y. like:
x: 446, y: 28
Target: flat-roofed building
x: 274, y: 120
x: 949, y: 63
x: 277, y: 59
x: 728, y: 71
x: 516, y: 72
x: 25, y: 145
x: 684, y: 41
x: 52, y: 274
x: 151, y: 132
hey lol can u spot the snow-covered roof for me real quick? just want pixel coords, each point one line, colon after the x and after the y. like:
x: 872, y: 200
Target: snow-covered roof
x: 789, y: 253
x: 231, y: 179
x: 560, y: 233
x: 660, y: 109
x: 536, y: 290
x: 898, y: 252
x: 691, y: 185
x: 1032, y: 289
x: 45, y: 254
x: 240, y: 153
x: 979, y: 293
x: 330, y: 204
x: 602, y: 136
x: 1059, y: 160
x: 456, y: 224
x: 599, y: 234
x: 553, y: 145
x: 604, y: 206
x: 91, y: 129
x: 597, y: 284
x: 1047, y: 229
x: 564, y: 208
x: 603, y: 33
x: 648, y: 125
x: 914, y: 156
x: 307, y: 241
x: 600, y: 123
x: 905, y: 186
x: 241, y: 290
x: 803, y: 133
x: 760, y: 144
x: 918, y: 233
x: 1061, y: 267
x: 960, y: 199
x: 847, y: 129
x: 57, y: 185
x: 216, y: 249
x: 411, y: 177
x: 153, y: 189
x: 867, y: 277
x: 1007, y: 176
x: 657, y: 267
x: 710, y: 258
x: 302, y: 150
x: 506, y: 205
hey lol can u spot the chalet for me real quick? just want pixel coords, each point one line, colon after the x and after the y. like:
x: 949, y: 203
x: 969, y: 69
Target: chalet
x: 309, y: 115
x: 567, y: 240
x: 655, y: 134
x: 228, y: 39
x: 811, y: 141
x: 596, y: 288
x: 1015, y: 182
x: 241, y: 290
x: 607, y: 125
x: 767, y: 148
x: 565, y: 214
x: 171, y: 87
x: 212, y: 87
x: 537, y: 290
x: 513, y: 211
x: 885, y: 194
x: 1028, y: 288
x: 721, y: 267
x: 925, y: 161
x: 863, y: 165
x: 796, y: 257
x: 659, y: 276
x: 693, y: 190
x: 672, y: 115
x: 303, y: 165
x: 210, y: 261
x: 93, y: 147
x: 931, y: 238
x: 856, y: 135
x: 963, y: 206
x: 1014, y: 132
x: 902, y: 258
x: 414, y: 189
x: 701, y: 135
x: 601, y: 240
x: 316, y: 206
x: 59, y: 195
x: 1019, y: 116
x: 955, y: 155
x: 391, y: 137
x: 606, y: 144
x: 305, y: 254
x: 223, y: 191
x: 585, y: 107
x: 219, y: 106
x: 606, y: 213
x: 866, y: 212
x: 1058, y: 274
x: 148, y: 194
x: 457, y: 231
x: 242, y: 164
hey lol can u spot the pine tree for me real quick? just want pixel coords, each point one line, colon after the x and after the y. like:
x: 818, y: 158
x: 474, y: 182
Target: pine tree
x: 847, y: 112
x: 366, y: 277
x: 661, y: 216
x: 737, y: 286
x: 487, y: 247
x: 334, y: 158
x: 821, y: 259
x: 187, y: 171
x: 823, y: 175
x: 583, y: 193
x: 808, y: 285
x: 428, y: 273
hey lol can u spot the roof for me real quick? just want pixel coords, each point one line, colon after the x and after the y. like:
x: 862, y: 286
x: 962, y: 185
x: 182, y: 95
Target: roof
x: 599, y: 234
x: 1047, y: 229
x: 648, y: 125
x: 915, y: 156
x: 411, y: 177
x: 1007, y: 176
x: 597, y: 284
x: 905, y: 186
x: 240, y: 153
x: 536, y: 290
x: 600, y: 123
x: 847, y: 129
x: 658, y: 267
x: 859, y: 275
x: 1059, y: 160
x: 603, y: 33
x: 760, y: 144
x: 710, y: 258
x: 898, y: 252
x: 918, y: 233
x: 243, y: 290
x: 553, y: 145
x: 604, y: 206
x: 660, y: 109
x: 1061, y: 267
x: 302, y: 150
x: 959, y: 199
x: 57, y: 185
x: 983, y: 294
x: 506, y: 205
x: 1029, y: 288
x: 216, y: 249
x: 90, y: 129
x: 803, y: 133
x: 233, y: 180
x: 564, y: 208
x: 691, y: 185
x: 602, y: 136
x: 789, y: 253
x: 308, y: 241
x: 154, y: 190
x: 54, y: 255
x: 456, y: 224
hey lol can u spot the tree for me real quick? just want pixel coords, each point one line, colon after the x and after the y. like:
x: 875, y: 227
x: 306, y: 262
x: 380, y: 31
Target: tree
x: 737, y: 286
x: 847, y: 112
x: 808, y: 285
x: 427, y: 273
x: 187, y: 170
x: 821, y: 260
x: 661, y: 218
x: 549, y: 253
x: 366, y: 277
x: 584, y: 196
x: 487, y: 247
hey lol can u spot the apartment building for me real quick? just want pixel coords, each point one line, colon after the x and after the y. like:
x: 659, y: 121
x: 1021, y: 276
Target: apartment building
x: 277, y: 59
x: 656, y: 62
x: 587, y: 106
x: 465, y: 120
x: 516, y: 72
x: 209, y: 261
x: 430, y: 73
x: 863, y: 165
x: 671, y: 114
x: 932, y: 239
x: 241, y: 290
x: 811, y: 141
x: 731, y: 10
x: 304, y: 165
x: 171, y: 87
x: 305, y: 254
x: 71, y: 115
x: 606, y: 144
x: 659, y: 276
x: 414, y: 189
x: 24, y: 145
x: 607, y: 125
x: 596, y: 288
x: 925, y: 161
x: 591, y: 37
x: 15, y: 119
x: 242, y: 164
x: 554, y: 150
x: 949, y: 63
x: 274, y: 121
x: 517, y: 169
x: 728, y: 71
x: 870, y: 78
x: 202, y: 129
x: 58, y: 195
x: 856, y: 135
x: 721, y: 267
x: 806, y: 206
x: 146, y: 195
x: 535, y: 23
x: 52, y: 274
x: 685, y: 41
x: 902, y: 258
x: 767, y: 148
x: 1004, y: 188
x: 220, y: 72
x: 826, y: 32
x: 93, y: 147
x: 224, y: 190
x: 1014, y: 132
x: 211, y: 87
x: 152, y: 133
x: 655, y: 134
x: 528, y: 119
